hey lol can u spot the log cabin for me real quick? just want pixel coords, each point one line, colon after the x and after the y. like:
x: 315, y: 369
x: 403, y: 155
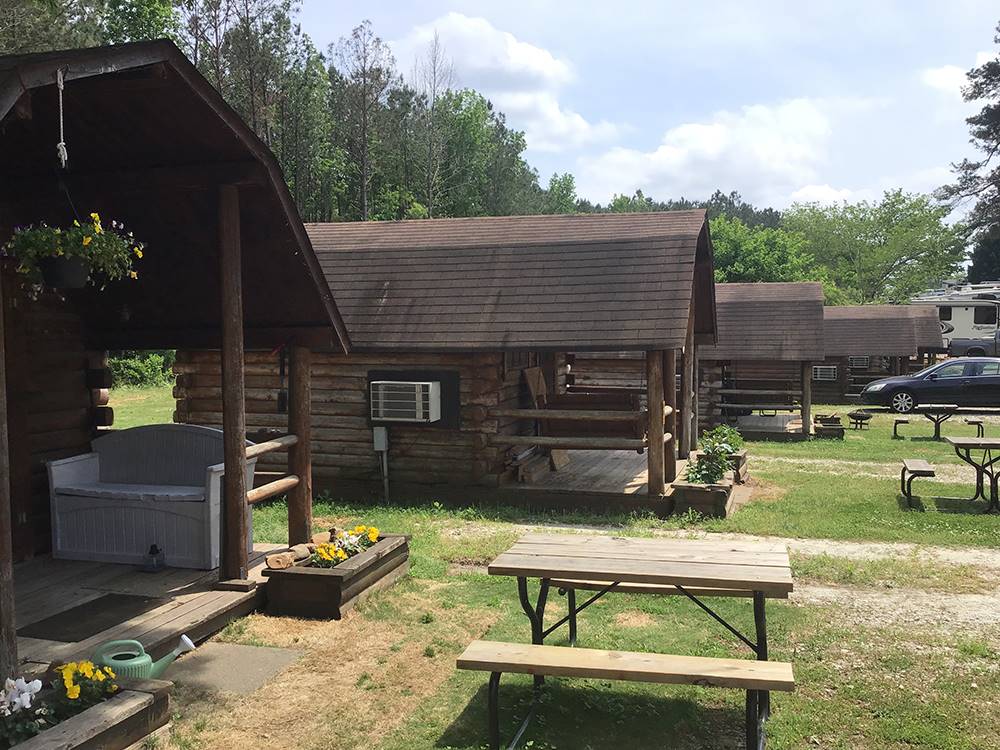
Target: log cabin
x: 475, y: 317
x: 759, y: 374
x: 867, y: 342
x: 228, y: 266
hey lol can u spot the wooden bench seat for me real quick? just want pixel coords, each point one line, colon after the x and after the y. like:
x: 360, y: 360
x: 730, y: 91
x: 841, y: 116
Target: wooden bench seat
x: 896, y: 423
x: 978, y: 424
x: 756, y: 677
x: 912, y: 468
x: 652, y: 588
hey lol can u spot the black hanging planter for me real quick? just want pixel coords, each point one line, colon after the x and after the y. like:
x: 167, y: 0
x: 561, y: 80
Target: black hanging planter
x: 61, y: 272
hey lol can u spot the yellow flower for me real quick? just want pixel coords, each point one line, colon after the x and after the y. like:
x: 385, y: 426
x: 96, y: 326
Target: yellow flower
x: 133, y: 275
x: 76, y: 223
x: 95, y: 216
x: 73, y: 692
x: 86, y: 240
x: 108, y: 671
x: 372, y: 534
x: 99, y: 676
x: 138, y: 252
x: 87, y: 669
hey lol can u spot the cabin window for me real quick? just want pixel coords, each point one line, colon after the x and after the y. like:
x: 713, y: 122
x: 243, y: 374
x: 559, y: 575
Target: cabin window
x: 944, y: 313
x: 983, y: 315
x: 825, y: 372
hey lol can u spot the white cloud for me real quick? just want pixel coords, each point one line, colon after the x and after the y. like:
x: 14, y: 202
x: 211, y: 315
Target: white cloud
x: 768, y: 152
x: 949, y: 79
x: 522, y: 79
x: 821, y: 194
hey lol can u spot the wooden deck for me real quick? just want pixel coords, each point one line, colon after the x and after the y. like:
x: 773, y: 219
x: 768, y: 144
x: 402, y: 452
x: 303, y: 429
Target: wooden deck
x: 617, y: 472
x: 44, y: 587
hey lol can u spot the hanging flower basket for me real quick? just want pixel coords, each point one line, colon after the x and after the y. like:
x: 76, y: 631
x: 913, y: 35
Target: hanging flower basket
x: 70, y: 258
x: 61, y: 272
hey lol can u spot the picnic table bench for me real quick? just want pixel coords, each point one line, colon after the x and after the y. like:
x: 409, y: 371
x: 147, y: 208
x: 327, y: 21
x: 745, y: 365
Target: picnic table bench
x: 896, y: 423
x: 913, y: 468
x: 984, y: 464
x: 978, y: 423
x: 693, y: 568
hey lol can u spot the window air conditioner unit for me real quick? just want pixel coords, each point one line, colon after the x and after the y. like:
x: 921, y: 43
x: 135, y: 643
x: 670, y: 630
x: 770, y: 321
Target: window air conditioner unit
x: 825, y: 372
x: 405, y: 401
x: 858, y: 362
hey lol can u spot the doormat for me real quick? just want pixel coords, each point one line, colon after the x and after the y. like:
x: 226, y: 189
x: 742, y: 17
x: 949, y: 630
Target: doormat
x: 87, y: 620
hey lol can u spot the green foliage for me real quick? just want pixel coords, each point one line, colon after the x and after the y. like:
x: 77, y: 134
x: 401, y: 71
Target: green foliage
x: 744, y: 253
x: 108, y: 253
x: 560, y: 197
x: 979, y: 179
x: 730, y: 205
x: 717, y: 445
x: 141, y: 369
x: 135, y: 20
x: 880, y: 252
x: 986, y: 255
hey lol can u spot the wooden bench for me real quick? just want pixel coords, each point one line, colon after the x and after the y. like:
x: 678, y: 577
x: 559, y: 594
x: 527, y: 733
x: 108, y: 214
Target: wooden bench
x: 758, y: 678
x: 912, y: 468
x: 895, y: 425
x: 978, y: 424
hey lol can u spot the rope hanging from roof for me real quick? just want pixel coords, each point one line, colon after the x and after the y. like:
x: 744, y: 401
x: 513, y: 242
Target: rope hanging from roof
x: 61, y: 146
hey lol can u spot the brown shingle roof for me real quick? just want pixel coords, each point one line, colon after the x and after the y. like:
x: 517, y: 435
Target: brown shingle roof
x: 887, y: 330
x: 607, y: 281
x: 782, y: 321
x: 926, y: 326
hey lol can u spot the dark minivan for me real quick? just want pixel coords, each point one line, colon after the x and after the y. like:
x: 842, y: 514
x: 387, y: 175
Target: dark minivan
x: 969, y: 381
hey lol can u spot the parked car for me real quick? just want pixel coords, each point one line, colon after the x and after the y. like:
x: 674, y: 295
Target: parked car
x: 975, y: 347
x: 969, y: 381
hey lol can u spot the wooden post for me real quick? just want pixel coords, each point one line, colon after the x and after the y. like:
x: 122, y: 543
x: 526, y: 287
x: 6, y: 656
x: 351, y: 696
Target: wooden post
x: 654, y: 433
x: 695, y: 395
x: 8, y: 627
x: 670, y: 397
x: 300, y: 455
x: 234, y: 422
x: 689, y: 433
x: 806, y: 398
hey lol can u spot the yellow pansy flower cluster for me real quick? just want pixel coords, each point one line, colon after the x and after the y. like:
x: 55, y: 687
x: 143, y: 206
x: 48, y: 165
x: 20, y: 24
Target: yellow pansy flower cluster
x: 331, y: 553
x: 76, y: 674
x: 344, y: 544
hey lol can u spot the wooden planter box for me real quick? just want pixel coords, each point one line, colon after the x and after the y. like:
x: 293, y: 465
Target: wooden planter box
x: 710, y: 500
x: 136, y: 711
x: 737, y: 460
x: 304, y: 591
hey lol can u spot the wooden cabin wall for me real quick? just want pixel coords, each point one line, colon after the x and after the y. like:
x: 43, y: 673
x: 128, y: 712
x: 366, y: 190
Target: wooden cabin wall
x: 710, y: 374
x: 50, y: 412
x: 850, y: 380
x: 615, y: 369
x: 342, y: 433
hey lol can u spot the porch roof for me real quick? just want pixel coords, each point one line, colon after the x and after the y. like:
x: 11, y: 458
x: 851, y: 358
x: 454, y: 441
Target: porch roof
x: 149, y: 142
x: 886, y: 330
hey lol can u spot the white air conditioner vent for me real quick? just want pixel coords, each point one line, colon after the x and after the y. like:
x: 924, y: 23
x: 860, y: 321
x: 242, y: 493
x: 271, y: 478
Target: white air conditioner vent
x: 405, y: 401
x: 825, y: 372
x: 858, y: 362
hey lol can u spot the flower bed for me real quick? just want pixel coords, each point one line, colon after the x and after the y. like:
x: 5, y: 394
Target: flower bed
x: 341, y: 568
x: 83, y: 706
x: 706, y: 490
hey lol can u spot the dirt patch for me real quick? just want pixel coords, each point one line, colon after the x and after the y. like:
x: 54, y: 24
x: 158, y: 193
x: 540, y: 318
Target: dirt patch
x: 764, y: 491
x: 946, y: 473
x: 360, y: 677
x: 633, y: 619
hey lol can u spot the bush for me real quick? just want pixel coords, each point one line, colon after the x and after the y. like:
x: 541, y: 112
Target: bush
x: 713, y: 458
x: 140, y: 369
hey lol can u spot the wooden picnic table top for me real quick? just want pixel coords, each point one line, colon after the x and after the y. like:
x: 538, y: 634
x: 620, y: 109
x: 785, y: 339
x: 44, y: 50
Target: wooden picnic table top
x: 974, y: 442
x: 723, y: 563
x: 936, y: 408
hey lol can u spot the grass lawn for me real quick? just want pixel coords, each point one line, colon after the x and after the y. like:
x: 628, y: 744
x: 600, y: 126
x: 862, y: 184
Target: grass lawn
x: 138, y: 406
x: 385, y: 677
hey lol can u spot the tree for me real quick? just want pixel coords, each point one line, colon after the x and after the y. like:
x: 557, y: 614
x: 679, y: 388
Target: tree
x: 560, y: 196
x: 41, y: 25
x: 366, y: 68
x: 135, y: 20
x: 986, y: 256
x: 979, y: 179
x: 881, y: 252
x: 744, y: 253
x: 433, y: 74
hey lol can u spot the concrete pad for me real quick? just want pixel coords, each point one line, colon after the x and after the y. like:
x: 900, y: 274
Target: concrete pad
x: 230, y: 668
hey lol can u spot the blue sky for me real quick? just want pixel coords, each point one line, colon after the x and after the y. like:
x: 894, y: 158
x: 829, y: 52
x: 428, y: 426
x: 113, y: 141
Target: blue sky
x: 782, y: 101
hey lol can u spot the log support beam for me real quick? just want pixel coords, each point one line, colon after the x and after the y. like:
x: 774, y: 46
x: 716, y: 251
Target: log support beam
x: 655, y: 432
x: 806, y: 398
x: 688, y: 427
x: 670, y: 398
x: 300, y: 498
x: 8, y: 626
x: 234, y: 500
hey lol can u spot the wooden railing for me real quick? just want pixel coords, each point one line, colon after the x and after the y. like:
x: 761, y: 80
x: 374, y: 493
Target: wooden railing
x: 580, y: 415
x: 278, y: 486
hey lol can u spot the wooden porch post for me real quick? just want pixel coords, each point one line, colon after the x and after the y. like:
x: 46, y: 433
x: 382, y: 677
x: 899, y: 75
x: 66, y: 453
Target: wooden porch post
x: 654, y: 433
x: 300, y: 455
x: 806, y: 397
x: 689, y: 436
x: 8, y: 627
x: 670, y: 398
x: 234, y: 423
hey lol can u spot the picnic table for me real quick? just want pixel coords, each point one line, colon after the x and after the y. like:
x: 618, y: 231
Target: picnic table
x: 988, y: 450
x: 937, y: 413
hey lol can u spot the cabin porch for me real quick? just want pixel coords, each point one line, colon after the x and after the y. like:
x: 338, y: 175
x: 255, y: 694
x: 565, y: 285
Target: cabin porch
x: 157, y: 608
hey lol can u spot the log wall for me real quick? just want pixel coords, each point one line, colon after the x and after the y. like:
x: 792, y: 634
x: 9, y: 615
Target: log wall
x: 51, y: 412
x: 341, y: 430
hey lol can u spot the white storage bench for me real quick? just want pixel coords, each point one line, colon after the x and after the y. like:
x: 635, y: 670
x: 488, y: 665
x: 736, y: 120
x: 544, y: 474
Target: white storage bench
x: 158, y: 484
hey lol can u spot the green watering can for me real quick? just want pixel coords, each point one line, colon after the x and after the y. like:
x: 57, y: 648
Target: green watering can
x: 129, y: 658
